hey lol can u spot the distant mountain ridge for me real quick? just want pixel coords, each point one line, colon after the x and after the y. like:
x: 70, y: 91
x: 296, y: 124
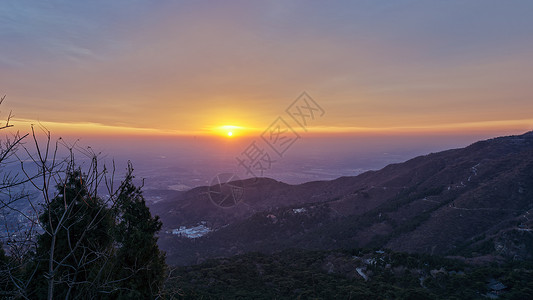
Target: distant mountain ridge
x: 473, y: 201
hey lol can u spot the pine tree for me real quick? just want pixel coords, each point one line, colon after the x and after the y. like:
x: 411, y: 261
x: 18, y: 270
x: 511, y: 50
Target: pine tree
x: 74, y: 247
x: 90, y: 248
x: 138, y: 258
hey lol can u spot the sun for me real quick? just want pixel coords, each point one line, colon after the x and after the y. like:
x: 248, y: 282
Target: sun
x: 229, y: 131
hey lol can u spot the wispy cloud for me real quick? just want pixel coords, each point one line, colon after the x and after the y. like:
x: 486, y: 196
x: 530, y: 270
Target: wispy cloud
x: 185, y: 66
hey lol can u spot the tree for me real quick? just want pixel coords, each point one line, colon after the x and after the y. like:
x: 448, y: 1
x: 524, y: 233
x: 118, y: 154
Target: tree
x: 91, y: 250
x: 75, y: 245
x: 138, y: 258
x: 13, y: 236
x: 61, y: 239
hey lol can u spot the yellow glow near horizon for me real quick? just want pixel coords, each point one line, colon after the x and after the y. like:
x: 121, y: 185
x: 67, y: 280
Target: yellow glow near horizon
x: 229, y: 130
x: 233, y: 131
x: 197, y: 67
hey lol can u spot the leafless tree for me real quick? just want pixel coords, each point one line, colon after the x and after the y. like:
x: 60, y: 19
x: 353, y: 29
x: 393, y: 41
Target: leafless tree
x: 11, y: 193
x: 35, y: 202
x: 42, y: 172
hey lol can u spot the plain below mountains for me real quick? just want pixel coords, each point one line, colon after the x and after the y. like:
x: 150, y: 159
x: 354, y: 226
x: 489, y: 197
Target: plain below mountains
x: 474, y: 202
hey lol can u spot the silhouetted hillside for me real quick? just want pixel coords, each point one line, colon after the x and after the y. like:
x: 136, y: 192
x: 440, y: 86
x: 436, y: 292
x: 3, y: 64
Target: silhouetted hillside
x: 472, y: 201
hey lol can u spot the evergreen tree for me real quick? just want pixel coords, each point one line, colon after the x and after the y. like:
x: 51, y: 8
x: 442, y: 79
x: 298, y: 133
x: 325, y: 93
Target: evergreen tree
x: 93, y: 249
x: 139, y: 262
x: 74, y: 247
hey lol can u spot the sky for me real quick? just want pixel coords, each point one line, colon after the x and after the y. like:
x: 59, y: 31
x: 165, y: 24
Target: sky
x: 166, y: 67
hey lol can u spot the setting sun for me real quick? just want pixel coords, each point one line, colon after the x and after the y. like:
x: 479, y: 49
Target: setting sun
x: 229, y: 130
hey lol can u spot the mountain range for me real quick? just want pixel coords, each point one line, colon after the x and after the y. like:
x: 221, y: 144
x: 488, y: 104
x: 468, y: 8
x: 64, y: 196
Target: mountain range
x: 475, y: 202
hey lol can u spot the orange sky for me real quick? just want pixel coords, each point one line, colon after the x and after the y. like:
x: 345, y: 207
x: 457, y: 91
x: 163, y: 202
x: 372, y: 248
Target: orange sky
x: 189, y: 68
